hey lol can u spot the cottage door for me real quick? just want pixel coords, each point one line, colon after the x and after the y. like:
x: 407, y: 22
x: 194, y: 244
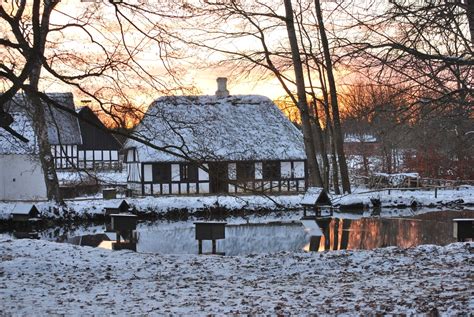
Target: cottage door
x: 218, y: 177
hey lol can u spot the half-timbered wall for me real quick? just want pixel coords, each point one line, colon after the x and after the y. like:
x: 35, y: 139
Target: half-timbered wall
x: 164, y: 178
x: 268, y: 176
x: 65, y: 156
x: 134, y: 171
x: 68, y: 157
x: 98, y: 159
x: 174, y: 179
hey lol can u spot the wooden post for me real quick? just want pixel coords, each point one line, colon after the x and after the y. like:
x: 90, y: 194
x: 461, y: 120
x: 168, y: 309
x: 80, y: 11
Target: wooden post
x: 346, y: 224
x: 327, y: 238
x: 199, y: 246
x: 214, y: 248
x: 436, y: 192
x: 117, y: 236
x: 336, y: 234
x: 314, y: 242
x: 304, y: 211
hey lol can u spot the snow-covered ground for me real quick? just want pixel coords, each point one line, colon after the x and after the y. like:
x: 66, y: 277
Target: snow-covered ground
x: 464, y: 195
x: 38, y: 277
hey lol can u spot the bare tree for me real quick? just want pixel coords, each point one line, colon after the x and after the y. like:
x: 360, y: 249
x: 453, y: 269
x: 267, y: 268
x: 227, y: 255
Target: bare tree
x: 314, y: 172
x: 424, y: 45
x: 338, y: 139
x: 35, y: 51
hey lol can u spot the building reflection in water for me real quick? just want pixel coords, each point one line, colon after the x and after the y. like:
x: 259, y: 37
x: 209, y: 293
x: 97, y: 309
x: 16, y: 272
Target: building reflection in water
x: 370, y: 233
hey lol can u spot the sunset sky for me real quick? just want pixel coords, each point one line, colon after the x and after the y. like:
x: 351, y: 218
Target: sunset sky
x: 196, y: 68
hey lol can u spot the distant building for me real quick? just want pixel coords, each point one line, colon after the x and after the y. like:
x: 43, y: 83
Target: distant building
x: 64, y: 134
x: 361, y: 144
x: 236, y: 144
x: 72, y: 144
x: 99, y: 148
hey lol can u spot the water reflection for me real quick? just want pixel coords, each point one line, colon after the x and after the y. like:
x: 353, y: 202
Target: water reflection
x: 247, y: 236
x: 370, y: 233
x: 240, y: 238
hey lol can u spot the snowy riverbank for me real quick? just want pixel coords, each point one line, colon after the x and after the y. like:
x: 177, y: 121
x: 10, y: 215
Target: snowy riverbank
x: 86, y: 207
x: 164, y: 204
x: 43, y: 278
x: 463, y: 195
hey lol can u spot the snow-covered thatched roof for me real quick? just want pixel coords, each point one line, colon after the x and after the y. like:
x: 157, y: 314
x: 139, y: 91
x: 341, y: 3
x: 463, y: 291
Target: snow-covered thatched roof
x: 63, y: 128
x: 217, y: 128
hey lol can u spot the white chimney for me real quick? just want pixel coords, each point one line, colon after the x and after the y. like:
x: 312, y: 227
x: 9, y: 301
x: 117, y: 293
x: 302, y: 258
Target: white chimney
x: 222, y: 87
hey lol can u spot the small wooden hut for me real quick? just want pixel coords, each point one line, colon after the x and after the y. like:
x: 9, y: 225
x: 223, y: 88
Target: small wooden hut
x: 315, y: 199
x: 24, y: 212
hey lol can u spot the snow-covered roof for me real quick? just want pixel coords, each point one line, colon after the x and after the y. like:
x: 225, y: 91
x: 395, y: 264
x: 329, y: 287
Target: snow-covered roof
x: 412, y: 174
x: 315, y: 195
x: 241, y: 127
x: 23, y: 209
x: 12, y: 145
x: 63, y: 128
x: 359, y: 138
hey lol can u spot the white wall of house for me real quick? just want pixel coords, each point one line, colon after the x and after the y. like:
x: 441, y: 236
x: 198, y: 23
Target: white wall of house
x: 21, y: 178
x: 134, y: 172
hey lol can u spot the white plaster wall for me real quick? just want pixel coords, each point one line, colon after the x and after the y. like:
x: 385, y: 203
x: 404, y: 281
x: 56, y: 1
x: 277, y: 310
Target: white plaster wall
x: 285, y: 169
x: 299, y: 169
x: 203, y: 175
x: 21, y: 178
x: 232, y: 171
x: 258, y: 170
x: 148, y: 172
x: 175, y: 177
x: 133, y: 170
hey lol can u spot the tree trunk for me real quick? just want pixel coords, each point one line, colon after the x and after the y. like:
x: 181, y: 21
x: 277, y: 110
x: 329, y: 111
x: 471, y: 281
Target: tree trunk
x: 330, y: 132
x: 37, y: 113
x: 319, y: 143
x: 40, y: 28
x: 313, y: 166
x: 470, y: 18
x: 335, y: 174
x: 338, y: 140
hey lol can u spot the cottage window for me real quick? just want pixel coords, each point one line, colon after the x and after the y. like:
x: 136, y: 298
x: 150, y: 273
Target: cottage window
x: 161, y: 172
x: 245, y: 171
x: 188, y: 172
x: 271, y: 170
x: 130, y: 156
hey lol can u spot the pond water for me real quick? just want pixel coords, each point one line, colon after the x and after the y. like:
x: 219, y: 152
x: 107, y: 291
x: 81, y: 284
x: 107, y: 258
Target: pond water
x: 281, y: 232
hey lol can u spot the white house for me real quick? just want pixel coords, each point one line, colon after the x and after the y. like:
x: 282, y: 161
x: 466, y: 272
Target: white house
x: 21, y: 176
x: 215, y: 144
x: 63, y: 128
